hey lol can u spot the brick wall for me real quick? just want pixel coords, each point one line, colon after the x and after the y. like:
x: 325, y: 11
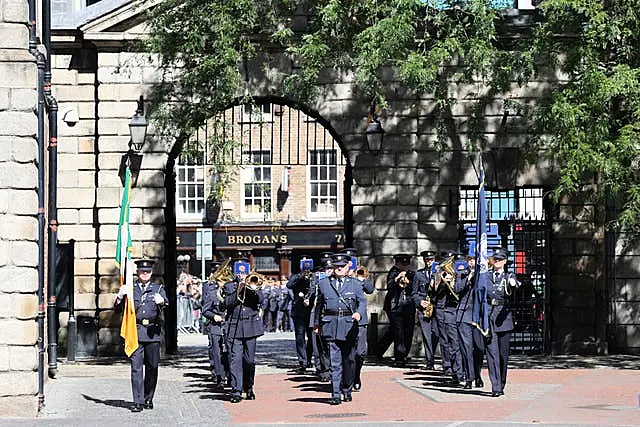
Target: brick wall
x: 18, y: 220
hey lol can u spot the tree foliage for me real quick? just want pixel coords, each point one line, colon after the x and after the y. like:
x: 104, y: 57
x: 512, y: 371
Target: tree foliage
x: 587, y: 123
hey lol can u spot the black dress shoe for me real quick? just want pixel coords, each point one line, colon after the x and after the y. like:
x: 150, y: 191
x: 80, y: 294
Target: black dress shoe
x: 325, y: 379
x: 467, y: 385
x: 235, y: 398
x: 148, y: 404
x: 251, y: 395
x: 357, y: 385
x: 429, y: 367
x: 496, y: 393
x: 479, y: 383
x: 136, y: 407
x: 348, y: 398
x: 335, y: 401
x: 301, y: 370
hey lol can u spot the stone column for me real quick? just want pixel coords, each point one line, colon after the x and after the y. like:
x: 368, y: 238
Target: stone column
x: 18, y: 215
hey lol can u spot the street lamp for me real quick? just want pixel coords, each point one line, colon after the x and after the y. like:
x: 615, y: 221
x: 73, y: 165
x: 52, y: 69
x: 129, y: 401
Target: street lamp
x: 374, y: 132
x: 182, y: 261
x: 138, y: 127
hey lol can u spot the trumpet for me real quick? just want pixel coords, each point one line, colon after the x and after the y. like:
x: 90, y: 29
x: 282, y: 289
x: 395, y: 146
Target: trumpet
x: 362, y: 272
x: 402, y: 279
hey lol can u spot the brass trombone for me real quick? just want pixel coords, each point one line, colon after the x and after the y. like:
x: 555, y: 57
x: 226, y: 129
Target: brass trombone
x: 254, y: 282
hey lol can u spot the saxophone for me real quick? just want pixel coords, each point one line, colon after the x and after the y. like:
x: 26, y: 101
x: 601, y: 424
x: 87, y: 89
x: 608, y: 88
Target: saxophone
x: 428, y: 310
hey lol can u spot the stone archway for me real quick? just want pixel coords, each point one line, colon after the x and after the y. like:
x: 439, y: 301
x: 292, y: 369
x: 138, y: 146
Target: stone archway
x: 293, y: 135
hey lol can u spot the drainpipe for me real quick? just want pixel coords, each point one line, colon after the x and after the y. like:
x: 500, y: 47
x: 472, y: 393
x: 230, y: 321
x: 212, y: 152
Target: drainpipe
x: 40, y: 59
x: 52, y: 107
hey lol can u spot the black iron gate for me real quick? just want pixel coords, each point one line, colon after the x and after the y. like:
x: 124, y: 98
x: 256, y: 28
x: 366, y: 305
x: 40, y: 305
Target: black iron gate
x: 517, y: 220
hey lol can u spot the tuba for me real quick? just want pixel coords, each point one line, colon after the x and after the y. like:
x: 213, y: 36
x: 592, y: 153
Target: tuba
x: 362, y: 272
x: 223, y: 274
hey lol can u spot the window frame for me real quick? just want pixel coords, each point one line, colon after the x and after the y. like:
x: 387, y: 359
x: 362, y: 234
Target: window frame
x: 250, y: 165
x: 309, y: 183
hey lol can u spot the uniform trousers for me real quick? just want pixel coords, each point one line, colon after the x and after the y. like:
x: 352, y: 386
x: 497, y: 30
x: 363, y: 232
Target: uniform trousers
x: 442, y: 338
x: 343, y: 364
x: 361, y: 351
x: 321, y: 352
x: 429, y: 329
x: 284, y: 320
x: 471, y: 356
x: 215, y: 354
x: 453, y: 344
x: 242, y: 364
x: 402, y: 324
x: 303, y: 334
x: 497, y: 349
x: 144, y: 371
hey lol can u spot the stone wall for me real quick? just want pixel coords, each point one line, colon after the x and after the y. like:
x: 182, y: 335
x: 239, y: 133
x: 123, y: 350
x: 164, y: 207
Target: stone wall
x: 404, y: 198
x: 18, y: 215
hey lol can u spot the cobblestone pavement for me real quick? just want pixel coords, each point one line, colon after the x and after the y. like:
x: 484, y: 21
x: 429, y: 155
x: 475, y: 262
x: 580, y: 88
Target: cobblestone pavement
x: 565, y: 390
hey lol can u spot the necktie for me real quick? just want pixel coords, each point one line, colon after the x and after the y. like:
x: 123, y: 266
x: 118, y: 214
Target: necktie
x: 339, y: 284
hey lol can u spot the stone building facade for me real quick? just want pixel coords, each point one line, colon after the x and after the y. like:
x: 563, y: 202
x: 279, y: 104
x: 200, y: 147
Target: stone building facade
x: 406, y: 198
x: 18, y: 214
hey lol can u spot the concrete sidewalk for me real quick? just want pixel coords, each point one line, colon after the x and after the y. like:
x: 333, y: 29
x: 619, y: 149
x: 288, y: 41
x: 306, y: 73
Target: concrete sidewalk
x: 540, y: 390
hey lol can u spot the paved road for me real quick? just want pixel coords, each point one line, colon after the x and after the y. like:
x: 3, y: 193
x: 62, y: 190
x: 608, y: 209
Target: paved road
x: 553, y: 391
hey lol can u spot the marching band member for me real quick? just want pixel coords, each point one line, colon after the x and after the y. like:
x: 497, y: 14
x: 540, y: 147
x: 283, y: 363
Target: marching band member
x: 367, y: 288
x: 399, y: 304
x: 423, y: 295
x: 244, y: 325
x: 300, y: 284
x: 213, y: 313
x: 471, y: 355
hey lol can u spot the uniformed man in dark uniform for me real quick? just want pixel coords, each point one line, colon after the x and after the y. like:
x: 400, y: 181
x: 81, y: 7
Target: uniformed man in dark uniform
x: 367, y: 288
x: 149, y: 301
x: 399, y: 304
x: 424, y: 299
x: 284, y: 308
x: 275, y: 299
x: 340, y: 306
x: 213, y: 313
x: 300, y: 285
x: 440, y: 301
x: 266, y: 308
x: 500, y: 284
x: 244, y: 326
x: 320, y: 344
x: 471, y: 356
x: 446, y: 284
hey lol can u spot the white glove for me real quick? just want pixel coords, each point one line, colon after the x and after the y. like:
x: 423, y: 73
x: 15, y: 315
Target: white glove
x: 217, y: 318
x: 157, y: 298
x: 122, y: 292
x: 513, y: 282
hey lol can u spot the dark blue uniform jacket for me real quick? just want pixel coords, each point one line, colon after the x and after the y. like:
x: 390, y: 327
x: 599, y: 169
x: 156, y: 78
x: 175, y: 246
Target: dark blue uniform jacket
x: 243, y: 319
x: 334, y: 308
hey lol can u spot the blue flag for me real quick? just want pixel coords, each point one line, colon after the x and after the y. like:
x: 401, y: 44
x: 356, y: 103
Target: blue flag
x: 480, y: 306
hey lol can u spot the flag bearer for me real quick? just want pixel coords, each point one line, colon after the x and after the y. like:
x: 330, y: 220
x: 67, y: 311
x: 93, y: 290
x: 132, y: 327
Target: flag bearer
x: 149, y: 299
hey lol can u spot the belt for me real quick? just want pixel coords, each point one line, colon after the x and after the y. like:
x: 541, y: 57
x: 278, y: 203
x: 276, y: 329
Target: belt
x: 339, y: 312
x: 496, y: 301
x: 146, y: 322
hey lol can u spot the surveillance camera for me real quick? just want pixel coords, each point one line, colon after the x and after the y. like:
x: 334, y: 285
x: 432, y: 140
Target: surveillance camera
x: 70, y: 117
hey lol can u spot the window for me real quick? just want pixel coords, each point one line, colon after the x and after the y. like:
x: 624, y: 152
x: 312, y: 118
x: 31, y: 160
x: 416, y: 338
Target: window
x: 523, y: 203
x: 256, y: 178
x: 265, y: 263
x: 260, y: 113
x: 190, y: 187
x: 323, y: 182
